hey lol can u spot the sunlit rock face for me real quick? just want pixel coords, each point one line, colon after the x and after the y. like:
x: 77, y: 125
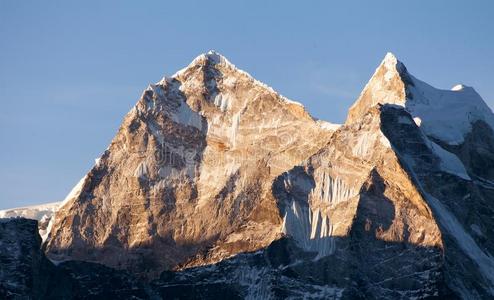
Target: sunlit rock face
x: 187, y: 179
x: 217, y: 185
x: 357, y: 207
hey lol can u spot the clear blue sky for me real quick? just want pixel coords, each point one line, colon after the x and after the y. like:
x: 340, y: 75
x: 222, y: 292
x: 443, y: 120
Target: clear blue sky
x: 70, y: 70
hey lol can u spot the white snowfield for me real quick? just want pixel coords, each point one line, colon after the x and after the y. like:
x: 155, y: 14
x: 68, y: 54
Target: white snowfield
x: 449, y: 163
x: 327, y: 125
x: 35, y: 212
x: 447, y: 115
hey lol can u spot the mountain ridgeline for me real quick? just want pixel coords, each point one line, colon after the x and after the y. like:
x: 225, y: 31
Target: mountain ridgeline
x: 216, y: 186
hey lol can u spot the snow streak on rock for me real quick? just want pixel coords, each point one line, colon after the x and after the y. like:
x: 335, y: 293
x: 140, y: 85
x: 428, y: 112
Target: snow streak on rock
x: 310, y: 229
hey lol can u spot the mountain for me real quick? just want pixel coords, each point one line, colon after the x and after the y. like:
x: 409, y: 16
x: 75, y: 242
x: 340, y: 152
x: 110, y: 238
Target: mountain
x: 445, y: 141
x: 187, y: 179
x: 216, y: 186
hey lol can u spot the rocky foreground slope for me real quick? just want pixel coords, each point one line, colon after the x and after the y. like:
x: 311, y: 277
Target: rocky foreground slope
x: 215, y: 186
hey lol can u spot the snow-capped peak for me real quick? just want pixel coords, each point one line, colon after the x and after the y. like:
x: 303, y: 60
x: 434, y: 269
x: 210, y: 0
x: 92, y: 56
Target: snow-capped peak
x: 392, y: 65
x: 447, y: 115
x: 390, y: 60
x: 385, y: 87
x: 211, y: 56
x: 458, y: 87
x: 215, y: 57
x: 219, y: 61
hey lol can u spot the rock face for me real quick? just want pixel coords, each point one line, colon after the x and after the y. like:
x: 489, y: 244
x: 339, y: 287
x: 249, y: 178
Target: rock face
x: 215, y: 186
x: 26, y: 273
x: 22, y: 261
x: 187, y: 179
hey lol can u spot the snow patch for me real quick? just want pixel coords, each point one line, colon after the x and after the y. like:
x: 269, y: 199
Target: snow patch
x: 307, y: 221
x: 331, y: 190
x: 389, y: 63
x: 230, y: 81
x: 458, y: 87
x: 186, y: 116
x: 449, y: 162
x: 327, y: 125
x: 233, y: 130
x: 34, y: 212
x: 222, y: 101
x: 311, y: 229
x: 156, y: 132
x: 142, y: 170
x: 76, y: 190
x: 417, y: 121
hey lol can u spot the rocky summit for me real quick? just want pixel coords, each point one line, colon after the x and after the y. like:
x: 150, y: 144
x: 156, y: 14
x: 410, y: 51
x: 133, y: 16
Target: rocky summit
x: 217, y: 187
